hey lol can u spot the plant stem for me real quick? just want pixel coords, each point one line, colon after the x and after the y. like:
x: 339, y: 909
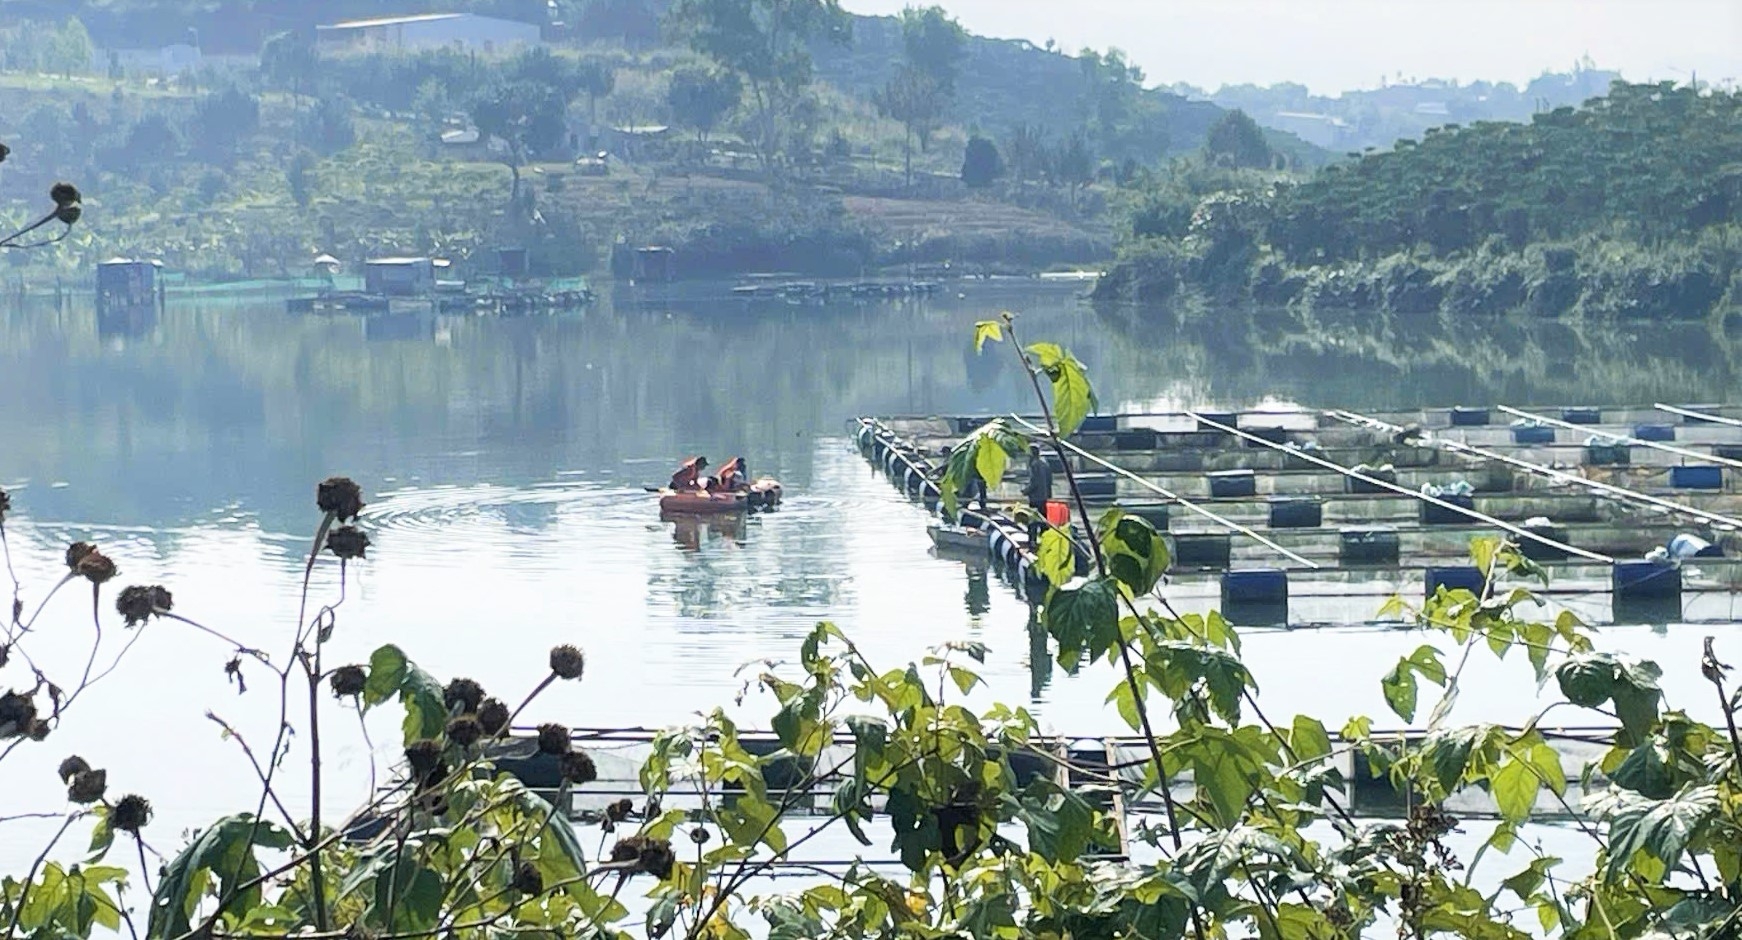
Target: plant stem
x: 1125, y: 658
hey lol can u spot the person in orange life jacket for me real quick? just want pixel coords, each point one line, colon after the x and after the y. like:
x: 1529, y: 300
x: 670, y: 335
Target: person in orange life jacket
x: 689, y: 478
x: 734, y: 477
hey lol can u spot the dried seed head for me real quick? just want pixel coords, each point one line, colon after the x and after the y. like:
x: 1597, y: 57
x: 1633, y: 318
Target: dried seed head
x: 5, y: 498
x: 139, y: 603
x: 65, y: 194
x: 96, y: 567
x: 567, y: 662
x: 87, y: 786
x: 653, y: 856
x: 493, y: 716
x: 38, y: 730
x: 620, y: 810
x: 699, y: 836
x: 76, y: 553
x: 578, y: 767
x: 347, y: 542
x: 553, y: 739
x: 527, y: 880
x: 17, y: 712
x: 341, y: 497
x: 69, y: 213
x: 348, y: 680
x: 131, y: 814
x: 464, y: 731
x: 71, y: 767
x: 5, y: 151
x: 424, y: 757
x: 464, y: 694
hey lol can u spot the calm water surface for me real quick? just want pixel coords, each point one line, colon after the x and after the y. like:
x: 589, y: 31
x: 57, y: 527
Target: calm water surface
x: 504, y: 461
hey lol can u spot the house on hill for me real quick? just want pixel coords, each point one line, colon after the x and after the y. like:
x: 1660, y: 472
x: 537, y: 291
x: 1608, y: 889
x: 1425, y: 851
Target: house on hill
x: 466, y: 32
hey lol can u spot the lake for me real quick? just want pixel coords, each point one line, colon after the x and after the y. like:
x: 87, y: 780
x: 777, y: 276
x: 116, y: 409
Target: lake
x: 504, y: 461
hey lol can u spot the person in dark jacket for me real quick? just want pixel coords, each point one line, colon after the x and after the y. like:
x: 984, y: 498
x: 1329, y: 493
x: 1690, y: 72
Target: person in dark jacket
x: 1037, y: 491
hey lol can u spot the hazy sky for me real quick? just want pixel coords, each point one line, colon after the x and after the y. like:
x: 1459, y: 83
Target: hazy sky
x: 1331, y: 45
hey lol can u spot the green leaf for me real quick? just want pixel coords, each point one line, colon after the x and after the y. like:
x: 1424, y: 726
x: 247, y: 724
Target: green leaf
x: 1055, y: 560
x: 102, y: 835
x: 989, y: 461
x: 1136, y: 554
x: 1072, y: 396
x: 1447, y: 753
x: 1083, y: 617
x: 1591, y: 679
x: 987, y: 331
x: 1308, y: 739
x: 1661, y: 828
x: 1061, y: 824
x: 964, y: 679
x: 426, y: 712
x: 1400, y: 690
x: 1126, y: 704
x: 1426, y: 661
x: 1587, y: 681
x: 1645, y: 773
x: 387, y: 667
x: 226, y: 850
x: 1525, y: 883
x: 1514, y: 786
x: 1207, y: 864
x: 751, y: 821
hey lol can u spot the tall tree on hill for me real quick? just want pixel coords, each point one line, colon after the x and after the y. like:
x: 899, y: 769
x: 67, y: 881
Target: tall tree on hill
x: 69, y: 49
x: 700, y: 98
x: 526, y: 116
x: 933, y: 42
x: 767, y: 43
x: 1026, y: 151
x: 1236, y: 141
x: 597, y: 78
x: 1113, y: 89
x: 288, y: 60
x: 915, y: 100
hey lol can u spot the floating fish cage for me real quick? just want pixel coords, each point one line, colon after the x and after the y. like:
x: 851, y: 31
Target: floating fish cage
x: 1281, y: 518
x: 1108, y: 770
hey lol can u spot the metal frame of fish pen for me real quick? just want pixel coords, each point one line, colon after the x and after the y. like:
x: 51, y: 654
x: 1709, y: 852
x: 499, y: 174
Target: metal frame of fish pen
x: 1108, y: 768
x: 1640, y: 583
x: 1631, y: 440
x: 1545, y: 471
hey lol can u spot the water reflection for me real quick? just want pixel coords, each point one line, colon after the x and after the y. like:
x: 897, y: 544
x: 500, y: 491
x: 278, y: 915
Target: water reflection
x: 506, y: 460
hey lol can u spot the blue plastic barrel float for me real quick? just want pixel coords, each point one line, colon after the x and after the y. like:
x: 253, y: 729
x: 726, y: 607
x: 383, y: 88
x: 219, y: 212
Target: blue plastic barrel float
x: 1233, y: 484
x: 1656, y: 433
x: 1631, y: 580
x: 1582, y: 415
x: 1461, y: 577
x: 1294, y: 512
x: 1368, y: 545
x: 1697, y: 477
x: 1463, y: 417
x: 1533, y: 434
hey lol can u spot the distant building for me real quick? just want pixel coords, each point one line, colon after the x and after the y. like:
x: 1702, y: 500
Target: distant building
x: 1324, y: 130
x: 467, y: 32
x: 399, y: 277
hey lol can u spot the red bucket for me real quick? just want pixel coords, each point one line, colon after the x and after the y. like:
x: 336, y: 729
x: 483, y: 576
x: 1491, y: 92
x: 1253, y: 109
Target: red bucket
x: 1058, y: 513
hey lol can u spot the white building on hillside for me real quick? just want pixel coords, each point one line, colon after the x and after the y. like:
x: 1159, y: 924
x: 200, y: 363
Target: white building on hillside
x: 463, y: 31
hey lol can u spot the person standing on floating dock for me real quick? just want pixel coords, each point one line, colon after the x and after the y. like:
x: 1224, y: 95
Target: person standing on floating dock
x: 1038, y: 491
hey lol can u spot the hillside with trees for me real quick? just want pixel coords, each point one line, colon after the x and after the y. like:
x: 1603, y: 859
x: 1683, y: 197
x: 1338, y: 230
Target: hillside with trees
x: 813, y: 141
x: 1630, y: 206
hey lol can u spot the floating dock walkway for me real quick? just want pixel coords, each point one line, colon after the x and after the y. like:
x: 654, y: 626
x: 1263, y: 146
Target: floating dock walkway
x: 1280, y: 517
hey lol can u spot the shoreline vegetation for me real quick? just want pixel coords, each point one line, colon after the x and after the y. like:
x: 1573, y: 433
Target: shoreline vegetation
x: 889, y: 144
x: 1627, y: 208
